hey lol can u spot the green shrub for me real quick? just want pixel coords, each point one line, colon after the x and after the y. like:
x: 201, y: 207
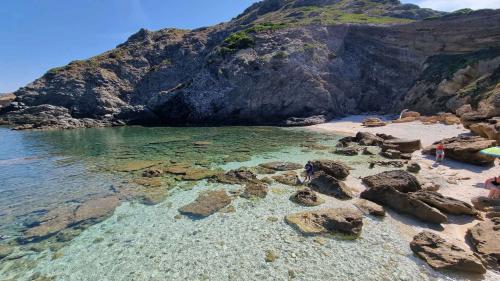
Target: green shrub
x: 239, y: 40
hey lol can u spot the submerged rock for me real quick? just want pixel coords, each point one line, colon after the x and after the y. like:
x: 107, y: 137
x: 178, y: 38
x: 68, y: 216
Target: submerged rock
x: 447, y: 205
x: 325, y: 221
x: 306, y: 197
x: 400, y: 180
x: 332, y: 168
x: 153, y: 172
x: 281, y: 166
x: 5, y: 250
x: 135, y: 165
x: 328, y: 185
x: 368, y: 207
x: 253, y: 190
x: 348, y: 151
x: 240, y: 176
x: 440, y: 254
x: 404, y: 203
x: 465, y: 149
x: 206, y: 204
x: 288, y: 178
x: 485, y: 240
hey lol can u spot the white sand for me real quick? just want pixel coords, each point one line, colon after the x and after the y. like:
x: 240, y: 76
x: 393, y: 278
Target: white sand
x: 459, y: 180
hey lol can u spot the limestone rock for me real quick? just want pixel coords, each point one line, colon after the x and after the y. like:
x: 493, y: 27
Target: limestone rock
x: 465, y: 149
x: 402, y: 145
x: 404, y: 203
x: 369, y: 207
x: 206, y: 204
x: 447, y: 205
x: 440, y: 254
x: 400, y: 180
x: 487, y: 130
x: 326, y: 221
x: 306, y: 197
x: 328, y: 185
x: 332, y: 168
x: 484, y: 238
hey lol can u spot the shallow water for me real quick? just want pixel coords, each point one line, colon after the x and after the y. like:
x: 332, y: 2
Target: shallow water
x: 43, y: 170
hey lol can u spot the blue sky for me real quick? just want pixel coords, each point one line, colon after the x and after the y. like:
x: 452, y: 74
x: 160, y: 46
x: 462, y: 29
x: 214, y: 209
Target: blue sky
x: 40, y: 34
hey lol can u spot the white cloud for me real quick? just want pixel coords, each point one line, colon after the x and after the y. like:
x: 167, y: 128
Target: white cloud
x: 453, y: 5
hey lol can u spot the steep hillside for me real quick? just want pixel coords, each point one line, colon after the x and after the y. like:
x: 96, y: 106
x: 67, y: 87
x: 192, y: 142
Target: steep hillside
x: 278, y: 59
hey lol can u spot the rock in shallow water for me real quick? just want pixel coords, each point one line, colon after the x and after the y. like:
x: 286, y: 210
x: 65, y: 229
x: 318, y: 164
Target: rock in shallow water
x: 440, y: 254
x: 332, y: 168
x: 485, y: 240
x: 400, y: 180
x: 306, y: 197
x: 369, y: 207
x: 254, y: 191
x: 325, y: 221
x: 281, y: 166
x: 328, y: 185
x: 206, y: 204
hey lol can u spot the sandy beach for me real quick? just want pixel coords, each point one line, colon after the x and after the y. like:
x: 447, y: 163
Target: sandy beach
x: 458, y: 180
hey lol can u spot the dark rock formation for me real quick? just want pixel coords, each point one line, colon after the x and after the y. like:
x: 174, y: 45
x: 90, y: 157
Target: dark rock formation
x: 206, y: 204
x: 441, y: 255
x: 307, y: 121
x: 326, y: 221
x: 306, y: 197
x: 369, y: 207
x: 332, y: 168
x: 328, y: 185
x: 446, y: 205
x: 401, y: 181
x: 364, y: 138
x: 277, y: 61
x: 465, y: 149
x: 484, y: 238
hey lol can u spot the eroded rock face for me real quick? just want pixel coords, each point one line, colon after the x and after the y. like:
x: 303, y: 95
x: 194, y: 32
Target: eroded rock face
x: 447, y: 205
x: 399, y: 180
x: 325, y: 221
x: 207, y: 203
x: 328, y: 185
x: 332, y: 168
x: 404, y: 203
x: 484, y: 238
x: 306, y: 197
x: 369, y: 207
x: 441, y: 255
x: 465, y: 149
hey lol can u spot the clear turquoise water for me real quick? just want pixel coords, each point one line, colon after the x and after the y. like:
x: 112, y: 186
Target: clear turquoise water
x: 42, y: 170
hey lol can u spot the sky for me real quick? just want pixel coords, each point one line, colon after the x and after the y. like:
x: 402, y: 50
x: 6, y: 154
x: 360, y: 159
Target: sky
x: 41, y: 34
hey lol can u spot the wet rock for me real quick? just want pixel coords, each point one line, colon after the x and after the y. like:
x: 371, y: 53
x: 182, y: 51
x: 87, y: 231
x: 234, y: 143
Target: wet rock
x: 206, y: 204
x: 485, y: 204
x: 373, y: 122
x: 400, y: 180
x: 135, y: 166
x: 369, y: 139
x: 332, y: 168
x: 465, y: 149
x: 440, y: 254
x: 262, y: 171
x: 306, y: 197
x: 288, y: 178
x: 346, y: 141
x: 255, y: 191
x: 391, y: 154
x: 484, y: 238
x: 368, y: 151
x: 199, y: 174
x: 270, y: 256
x: 413, y: 167
x: 309, y: 121
x: 368, y: 207
x: 348, y: 151
x: 447, y: 205
x: 403, y: 203
x: 402, y: 145
x: 326, y: 221
x: 96, y: 209
x: 149, y: 182
x: 281, y: 166
x: 5, y: 250
x: 240, y: 176
x: 178, y: 169
x: 328, y: 185
x: 153, y: 172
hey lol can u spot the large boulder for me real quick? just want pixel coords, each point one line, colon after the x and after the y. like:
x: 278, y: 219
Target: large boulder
x: 404, y: 203
x: 447, y: 205
x: 402, y: 145
x: 206, y: 204
x: 487, y: 130
x: 485, y: 240
x: 465, y: 149
x: 440, y: 254
x: 326, y: 221
x: 328, y: 185
x: 369, y: 139
x: 369, y: 207
x: 400, y: 180
x: 281, y: 166
x: 486, y: 204
x: 306, y: 197
x: 332, y: 168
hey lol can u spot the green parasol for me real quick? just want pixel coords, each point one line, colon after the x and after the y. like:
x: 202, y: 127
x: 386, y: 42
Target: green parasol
x: 492, y: 151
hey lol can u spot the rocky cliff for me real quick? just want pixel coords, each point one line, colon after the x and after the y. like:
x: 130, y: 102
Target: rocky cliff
x: 279, y: 59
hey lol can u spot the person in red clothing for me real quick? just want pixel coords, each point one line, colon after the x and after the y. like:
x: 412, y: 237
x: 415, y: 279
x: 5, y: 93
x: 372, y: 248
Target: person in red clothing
x: 440, y: 152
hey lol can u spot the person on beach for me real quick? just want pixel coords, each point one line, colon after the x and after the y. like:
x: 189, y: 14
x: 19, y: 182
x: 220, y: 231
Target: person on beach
x: 440, y: 152
x: 309, y: 171
x: 494, y: 185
